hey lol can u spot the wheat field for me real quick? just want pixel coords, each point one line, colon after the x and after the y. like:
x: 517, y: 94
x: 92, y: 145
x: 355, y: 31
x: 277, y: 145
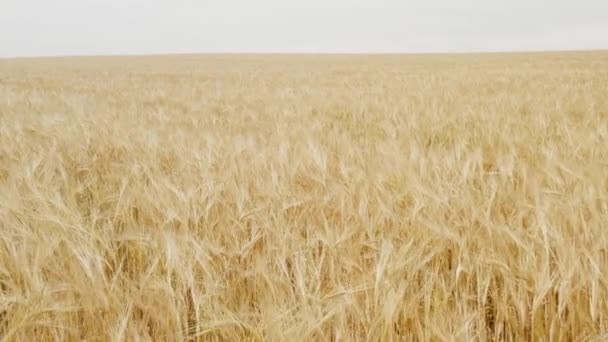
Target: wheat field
x: 304, y: 198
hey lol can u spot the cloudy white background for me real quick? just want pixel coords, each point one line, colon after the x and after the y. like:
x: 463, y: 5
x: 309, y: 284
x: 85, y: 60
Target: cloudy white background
x: 96, y: 27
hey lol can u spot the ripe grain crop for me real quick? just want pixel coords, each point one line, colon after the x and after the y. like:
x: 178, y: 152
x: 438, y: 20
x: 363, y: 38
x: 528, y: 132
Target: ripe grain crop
x: 300, y: 198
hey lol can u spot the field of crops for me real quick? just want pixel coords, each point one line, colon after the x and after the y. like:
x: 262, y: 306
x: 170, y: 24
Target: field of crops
x: 304, y: 197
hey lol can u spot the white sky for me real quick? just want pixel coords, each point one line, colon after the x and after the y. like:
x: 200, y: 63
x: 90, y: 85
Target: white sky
x: 93, y: 27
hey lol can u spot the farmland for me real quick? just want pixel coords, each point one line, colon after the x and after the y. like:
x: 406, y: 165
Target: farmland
x: 304, y: 197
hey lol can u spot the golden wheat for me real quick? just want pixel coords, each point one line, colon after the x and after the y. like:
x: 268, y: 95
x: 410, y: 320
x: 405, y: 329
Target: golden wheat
x: 268, y: 197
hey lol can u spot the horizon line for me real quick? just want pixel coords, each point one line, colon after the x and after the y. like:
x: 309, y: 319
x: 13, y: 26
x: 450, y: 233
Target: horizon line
x: 306, y: 53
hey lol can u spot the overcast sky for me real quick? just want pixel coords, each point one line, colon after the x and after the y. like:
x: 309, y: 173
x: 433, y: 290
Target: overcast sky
x: 93, y: 27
